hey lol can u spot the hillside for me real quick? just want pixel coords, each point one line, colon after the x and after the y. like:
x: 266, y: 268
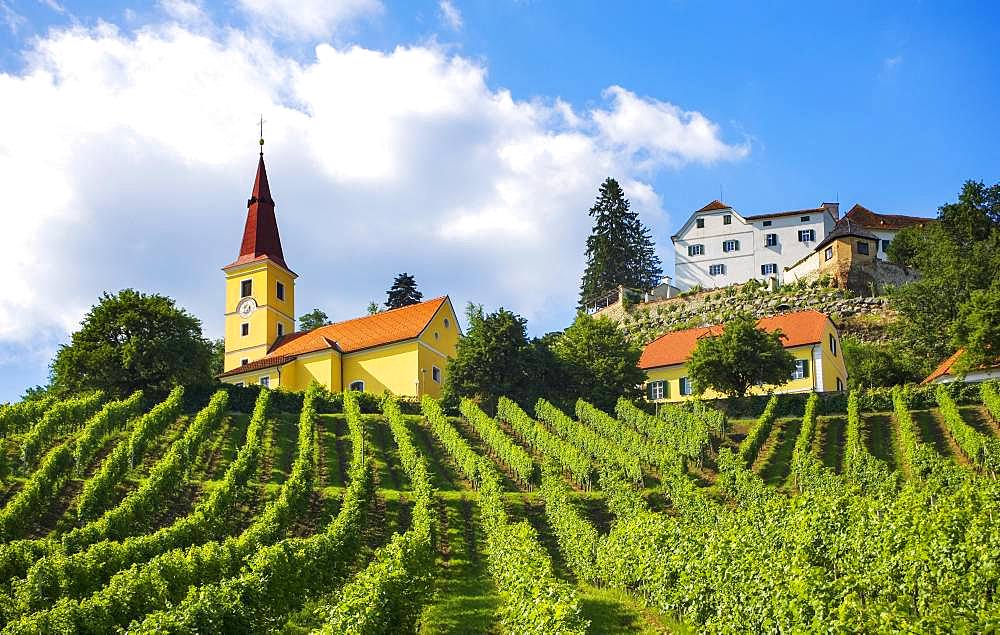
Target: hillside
x: 569, y: 522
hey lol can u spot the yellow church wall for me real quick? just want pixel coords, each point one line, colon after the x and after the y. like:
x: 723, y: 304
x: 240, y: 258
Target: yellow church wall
x: 320, y: 367
x: 672, y: 374
x: 427, y: 360
x: 392, y: 367
x: 264, y: 276
x: 234, y: 358
x: 263, y: 323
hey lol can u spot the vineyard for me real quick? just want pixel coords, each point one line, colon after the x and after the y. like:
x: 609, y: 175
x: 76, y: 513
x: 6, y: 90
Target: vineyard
x: 137, y: 516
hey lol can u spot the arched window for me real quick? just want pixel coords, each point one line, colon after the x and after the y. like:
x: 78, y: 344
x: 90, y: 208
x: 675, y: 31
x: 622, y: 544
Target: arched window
x: 357, y: 385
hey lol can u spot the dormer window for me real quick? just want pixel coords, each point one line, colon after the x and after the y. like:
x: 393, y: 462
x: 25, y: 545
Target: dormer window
x: 246, y: 288
x: 699, y: 223
x: 727, y: 219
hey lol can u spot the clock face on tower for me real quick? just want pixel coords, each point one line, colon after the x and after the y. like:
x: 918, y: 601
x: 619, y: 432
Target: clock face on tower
x: 246, y: 307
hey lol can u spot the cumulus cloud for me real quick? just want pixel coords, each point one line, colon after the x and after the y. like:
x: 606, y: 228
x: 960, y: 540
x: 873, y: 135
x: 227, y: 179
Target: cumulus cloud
x: 307, y: 18
x: 135, y: 151
x: 656, y: 132
x: 450, y: 14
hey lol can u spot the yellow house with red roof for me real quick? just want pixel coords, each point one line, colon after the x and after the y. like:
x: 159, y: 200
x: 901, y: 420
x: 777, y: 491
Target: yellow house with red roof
x: 404, y: 350
x: 809, y: 336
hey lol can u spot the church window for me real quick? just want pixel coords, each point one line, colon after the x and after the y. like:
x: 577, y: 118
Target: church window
x: 447, y: 323
x: 246, y: 288
x: 436, y: 374
x: 244, y: 329
x: 281, y: 329
x: 244, y: 362
x: 280, y: 291
x: 359, y: 386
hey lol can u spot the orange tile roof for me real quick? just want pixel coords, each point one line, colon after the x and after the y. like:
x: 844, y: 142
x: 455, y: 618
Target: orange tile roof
x: 714, y: 205
x: 873, y: 220
x: 944, y: 367
x: 799, y: 328
x: 387, y: 327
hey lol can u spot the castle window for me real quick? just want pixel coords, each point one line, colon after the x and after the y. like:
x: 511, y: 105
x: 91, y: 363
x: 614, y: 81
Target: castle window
x: 727, y: 219
x: 696, y: 250
x: 265, y: 381
x: 699, y: 223
x: 730, y: 245
x: 358, y: 386
x: 281, y: 329
x: 716, y: 270
x: 246, y: 288
x: 801, y: 369
x: 828, y: 253
x: 771, y: 240
x: 863, y: 247
x: 280, y: 291
x: 768, y: 268
x: 436, y: 374
x: 767, y: 223
x: 807, y: 235
x: 656, y: 390
x: 244, y: 329
x: 804, y: 219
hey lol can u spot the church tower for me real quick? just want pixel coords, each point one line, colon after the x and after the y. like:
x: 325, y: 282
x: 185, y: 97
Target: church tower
x: 260, y: 288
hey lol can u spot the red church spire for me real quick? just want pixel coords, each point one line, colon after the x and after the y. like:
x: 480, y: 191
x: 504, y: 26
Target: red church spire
x: 260, y: 236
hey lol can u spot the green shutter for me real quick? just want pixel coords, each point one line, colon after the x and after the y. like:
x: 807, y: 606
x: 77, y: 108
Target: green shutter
x: 649, y: 391
x: 805, y: 367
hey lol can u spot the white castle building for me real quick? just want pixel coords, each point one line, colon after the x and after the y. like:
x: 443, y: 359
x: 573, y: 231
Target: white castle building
x: 718, y: 246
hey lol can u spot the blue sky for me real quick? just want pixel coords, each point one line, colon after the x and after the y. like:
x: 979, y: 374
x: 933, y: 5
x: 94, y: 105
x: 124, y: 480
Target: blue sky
x: 461, y: 141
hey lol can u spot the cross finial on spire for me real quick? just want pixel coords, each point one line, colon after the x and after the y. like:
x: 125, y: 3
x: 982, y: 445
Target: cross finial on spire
x: 261, y: 135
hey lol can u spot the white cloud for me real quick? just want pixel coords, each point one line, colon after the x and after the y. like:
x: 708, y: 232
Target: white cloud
x: 135, y: 152
x: 656, y: 132
x: 450, y: 14
x: 11, y: 18
x: 184, y: 11
x: 307, y: 18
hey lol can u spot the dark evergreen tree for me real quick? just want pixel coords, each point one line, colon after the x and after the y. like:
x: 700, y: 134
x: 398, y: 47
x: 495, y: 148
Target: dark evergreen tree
x: 620, y: 249
x: 403, y: 292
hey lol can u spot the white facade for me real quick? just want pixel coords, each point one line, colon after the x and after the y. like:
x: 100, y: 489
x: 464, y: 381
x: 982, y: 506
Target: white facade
x: 720, y: 252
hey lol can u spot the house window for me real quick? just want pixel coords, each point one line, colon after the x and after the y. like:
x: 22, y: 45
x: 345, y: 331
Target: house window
x: 281, y: 329
x: 436, y: 374
x: 885, y: 246
x: 696, y: 250
x: 767, y: 223
x: 730, y: 245
x: 727, y: 219
x: 699, y: 223
x: 244, y: 329
x: 771, y: 240
x: 801, y: 369
x: 768, y: 268
x: 246, y: 288
x: 863, y: 247
x: 804, y: 219
x: 656, y: 390
x: 239, y: 383
x: 265, y: 381
x: 807, y: 235
x: 244, y: 361
x: 447, y: 323
x: 685, y: 386
x: 833, y: 345
x: 358, y: 386
x: 716, y: 270
x: 828, y: 253
x: 280, y: 291
x: 840, y: 384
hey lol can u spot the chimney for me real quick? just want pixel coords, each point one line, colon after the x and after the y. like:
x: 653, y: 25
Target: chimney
x: 834, y: 209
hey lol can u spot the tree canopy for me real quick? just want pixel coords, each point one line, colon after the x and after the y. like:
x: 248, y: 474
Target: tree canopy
x: 740, y: 357
x: 598, y: 361
x: 130, y: 341
x: 403, y: 292
x: 956, y: 256
x: 620, y: 249
x: 313, y: 320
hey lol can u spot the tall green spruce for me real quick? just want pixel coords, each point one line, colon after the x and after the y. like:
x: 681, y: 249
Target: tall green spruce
x: 620, y: 248
x: 403, y: 292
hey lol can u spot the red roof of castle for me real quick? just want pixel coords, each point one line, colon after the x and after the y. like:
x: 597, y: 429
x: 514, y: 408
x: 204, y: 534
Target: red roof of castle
x: 260, y: 235
x: 714, y: 205
x: 873, y: 220
x: 798, y: 328
x: 387, y: 327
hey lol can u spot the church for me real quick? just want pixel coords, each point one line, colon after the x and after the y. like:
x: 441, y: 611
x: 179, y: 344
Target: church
x: 405, y: 350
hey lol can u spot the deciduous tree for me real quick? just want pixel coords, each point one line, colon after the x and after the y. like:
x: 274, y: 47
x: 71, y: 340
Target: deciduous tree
x: 740, y: 357
x: 599, y: 362
x: 313, y: 320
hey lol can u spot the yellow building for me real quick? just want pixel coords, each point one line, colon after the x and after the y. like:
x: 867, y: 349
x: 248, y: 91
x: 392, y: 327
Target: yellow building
x: 809, y: 336
x: 403, y: 350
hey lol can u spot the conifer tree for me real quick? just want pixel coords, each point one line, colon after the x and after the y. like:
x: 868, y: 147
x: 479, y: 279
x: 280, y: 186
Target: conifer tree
x: 403, y: 292
x: 620, y: 249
